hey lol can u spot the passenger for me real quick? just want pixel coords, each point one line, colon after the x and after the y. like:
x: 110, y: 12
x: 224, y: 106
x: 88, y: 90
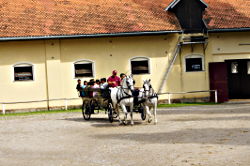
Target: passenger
x: 95, y: 86
x: 122, y: 75
x: 97, y: 81
x: 79, y: 88
x: 103, y: 84
x: 85, y: 83
x: 114, y: 80
x: 104, y: 88
x: 89, y: 88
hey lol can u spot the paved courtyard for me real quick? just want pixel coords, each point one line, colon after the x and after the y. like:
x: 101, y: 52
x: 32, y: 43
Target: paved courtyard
x: 215, y: 135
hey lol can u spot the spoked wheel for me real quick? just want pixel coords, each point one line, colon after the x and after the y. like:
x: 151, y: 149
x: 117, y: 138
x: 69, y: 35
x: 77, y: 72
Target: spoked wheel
x: 92, y: 106
x: 110, y: 112
x: 142, y: 111
x: 86, y: 111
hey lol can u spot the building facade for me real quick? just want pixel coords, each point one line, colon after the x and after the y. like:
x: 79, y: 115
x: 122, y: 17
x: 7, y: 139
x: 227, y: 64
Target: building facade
x: 179, y: 51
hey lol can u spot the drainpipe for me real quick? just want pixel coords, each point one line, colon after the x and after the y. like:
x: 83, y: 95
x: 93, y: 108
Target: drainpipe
x: 46, y: 76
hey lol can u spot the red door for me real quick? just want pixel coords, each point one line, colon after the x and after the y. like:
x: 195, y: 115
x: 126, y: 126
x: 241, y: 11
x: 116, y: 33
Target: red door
x: 218, y: 80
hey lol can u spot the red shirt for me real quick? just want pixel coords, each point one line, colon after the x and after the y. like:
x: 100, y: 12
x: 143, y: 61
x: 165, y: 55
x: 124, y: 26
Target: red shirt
x: 116, y: 80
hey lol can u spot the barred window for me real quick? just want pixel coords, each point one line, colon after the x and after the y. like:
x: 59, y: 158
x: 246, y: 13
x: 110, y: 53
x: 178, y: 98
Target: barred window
x: 140, y: 65
x: 83, y: 68
x: 23, y: 72
x: 194, y: 63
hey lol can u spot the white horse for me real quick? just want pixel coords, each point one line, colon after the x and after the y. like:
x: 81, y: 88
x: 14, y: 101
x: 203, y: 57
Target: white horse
x: 122, y: 96
x: 151, y: 99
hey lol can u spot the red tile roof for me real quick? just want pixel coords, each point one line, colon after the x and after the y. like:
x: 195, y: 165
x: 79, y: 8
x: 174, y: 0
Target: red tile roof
x: 222, y: 14
x: 71, y: 17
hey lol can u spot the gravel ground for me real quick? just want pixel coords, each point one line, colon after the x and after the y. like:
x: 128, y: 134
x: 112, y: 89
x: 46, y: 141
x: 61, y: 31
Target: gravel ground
x: 216, y: 135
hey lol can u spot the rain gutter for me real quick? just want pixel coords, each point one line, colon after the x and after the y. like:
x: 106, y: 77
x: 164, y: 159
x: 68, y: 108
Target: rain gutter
x: 88, y: 35
x: 229, y: 30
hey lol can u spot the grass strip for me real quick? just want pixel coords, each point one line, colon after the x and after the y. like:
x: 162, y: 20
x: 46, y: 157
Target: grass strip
x: 183, y: 104
x: 79, y: 110
x: 39, y: 112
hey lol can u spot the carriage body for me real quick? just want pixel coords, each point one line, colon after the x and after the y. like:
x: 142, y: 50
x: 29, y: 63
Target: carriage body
x: 97, y: 99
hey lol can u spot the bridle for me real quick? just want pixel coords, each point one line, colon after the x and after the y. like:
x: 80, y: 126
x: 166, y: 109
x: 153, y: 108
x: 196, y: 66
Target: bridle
x: 151, y: 94
x: 129, y: 87
x: 150, y: 87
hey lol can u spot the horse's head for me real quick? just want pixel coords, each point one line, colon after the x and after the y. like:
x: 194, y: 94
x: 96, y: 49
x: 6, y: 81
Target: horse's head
x: 128, y: 82
x: 147, y: 86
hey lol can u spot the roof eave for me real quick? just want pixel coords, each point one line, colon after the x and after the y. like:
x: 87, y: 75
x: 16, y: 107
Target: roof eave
x: 229, y: 30
x: 88, y: 35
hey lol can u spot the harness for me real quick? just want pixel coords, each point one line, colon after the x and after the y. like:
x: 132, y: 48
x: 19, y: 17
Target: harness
x: 124, y: 95
x: 152, y: 95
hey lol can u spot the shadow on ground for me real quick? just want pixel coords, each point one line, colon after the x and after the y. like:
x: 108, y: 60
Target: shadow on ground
x: 102, y: 122
x: 234, y: 136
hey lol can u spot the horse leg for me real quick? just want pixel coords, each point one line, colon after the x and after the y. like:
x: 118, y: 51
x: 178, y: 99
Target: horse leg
x: 148, y: 113
x: 131, y: 113
x: 155, y: 107
x: 116, y: 109
x: 125, y: 113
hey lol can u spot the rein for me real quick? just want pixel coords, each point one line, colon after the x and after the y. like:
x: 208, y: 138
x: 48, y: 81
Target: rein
x: 152, y: 94
x: 122, y: 90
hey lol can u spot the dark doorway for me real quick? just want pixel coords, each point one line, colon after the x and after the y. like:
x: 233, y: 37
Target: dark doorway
x: 218, y: 80
x: 238, y: 78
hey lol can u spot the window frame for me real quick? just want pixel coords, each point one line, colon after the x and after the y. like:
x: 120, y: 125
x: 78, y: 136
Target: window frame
x: 82, y: 61
x: 143, y: 58
x: 23, y: 64
x: 193, y: 56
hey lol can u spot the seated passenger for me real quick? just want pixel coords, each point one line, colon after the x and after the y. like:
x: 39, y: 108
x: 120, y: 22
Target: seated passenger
x: 114, y: 80
x: 79, y: 88
x: 104, y: 88
x: 95, y: 86
x: 122, y: 75
x: 103, y: 84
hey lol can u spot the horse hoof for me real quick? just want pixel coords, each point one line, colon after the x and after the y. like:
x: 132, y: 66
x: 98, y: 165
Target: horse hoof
x: 124, y: 122
x: 132, y: 123
x: 149, y: 120
x: 155, y: 122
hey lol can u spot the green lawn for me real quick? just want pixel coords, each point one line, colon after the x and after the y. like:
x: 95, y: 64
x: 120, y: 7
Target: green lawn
x: 78, y: 110
x: 39, y: 112
x: 183, y: 104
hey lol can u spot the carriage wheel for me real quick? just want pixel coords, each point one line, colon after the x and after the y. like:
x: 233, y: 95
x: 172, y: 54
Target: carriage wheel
x: 142, y: 111
x: 86, y: 111
x: 92, y: 106
x: 110, y: 113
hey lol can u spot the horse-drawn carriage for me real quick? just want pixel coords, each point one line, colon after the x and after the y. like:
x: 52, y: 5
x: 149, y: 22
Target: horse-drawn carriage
x: 102, y: 101
x: 112, y: 99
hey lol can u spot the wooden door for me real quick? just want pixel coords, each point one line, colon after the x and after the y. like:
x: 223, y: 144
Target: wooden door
x: 218, y: 80
x: 239, y: 78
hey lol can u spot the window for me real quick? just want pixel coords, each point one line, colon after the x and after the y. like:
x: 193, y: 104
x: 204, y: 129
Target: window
x: 248, y: 67
x: 140, y: 65
x: 83, y: 68
x: 194, y: 63
x: 234, y: 67
x: 23, y: 72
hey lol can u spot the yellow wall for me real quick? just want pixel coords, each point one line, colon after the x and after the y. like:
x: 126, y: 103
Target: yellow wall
x: 53, y: 62
x: 115, y: 53
x: 16, y: 52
